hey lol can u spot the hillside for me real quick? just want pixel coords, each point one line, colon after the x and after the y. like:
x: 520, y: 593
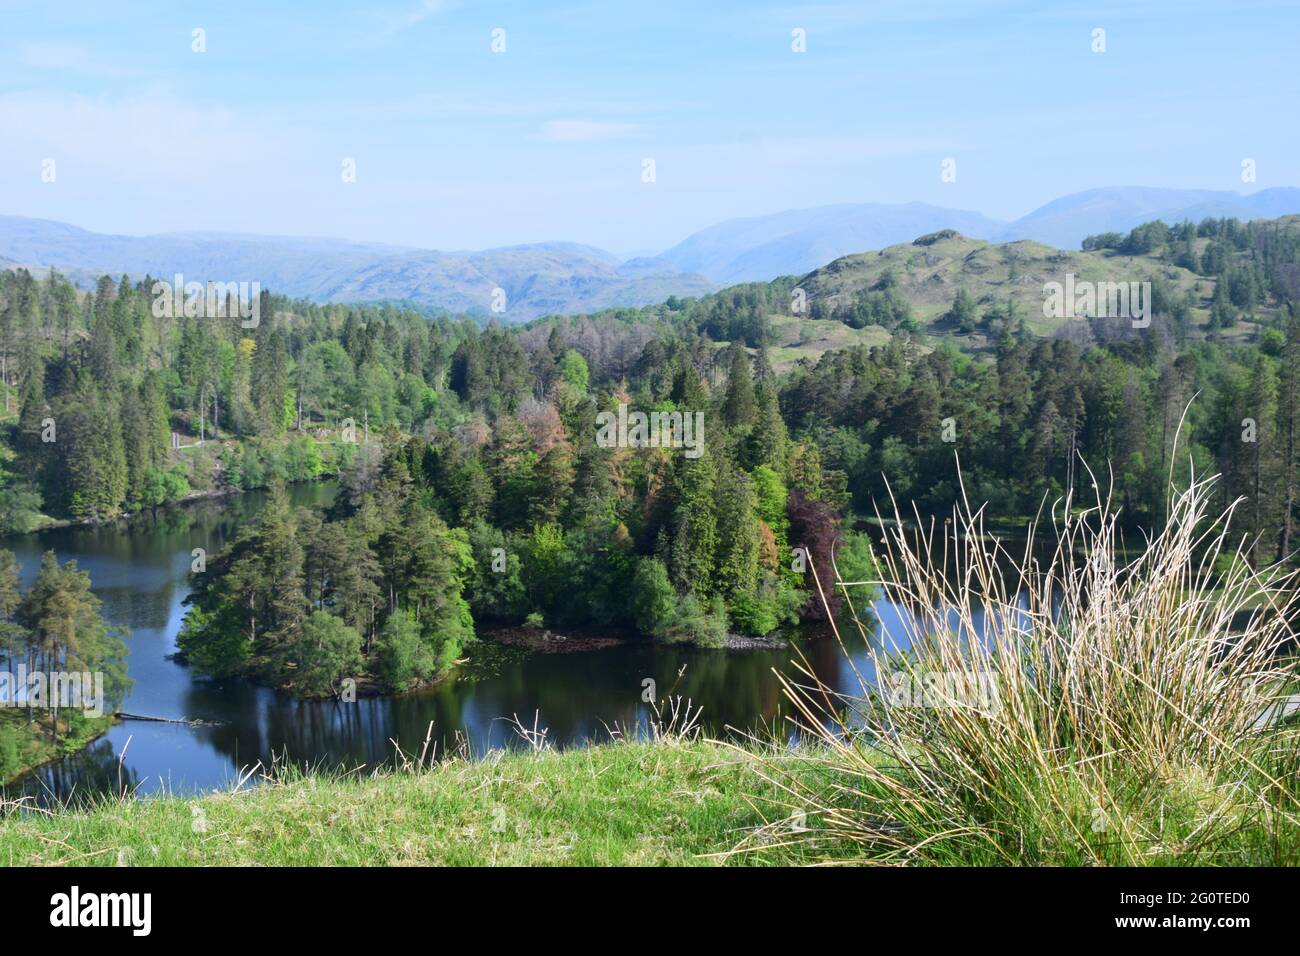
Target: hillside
x: 796, y: 241
x: 542, y: 279
x: 537, y: 279
x: 929, y: 271
x: 847, y: 305
x: 794, y: 338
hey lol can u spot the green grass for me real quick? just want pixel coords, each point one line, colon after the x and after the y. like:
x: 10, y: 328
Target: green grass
x: 796, y: 338
x: 621, y: 804
x: 664, y: 804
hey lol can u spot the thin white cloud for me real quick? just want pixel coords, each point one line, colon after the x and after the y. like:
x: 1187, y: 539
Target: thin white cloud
x: 584, y: 131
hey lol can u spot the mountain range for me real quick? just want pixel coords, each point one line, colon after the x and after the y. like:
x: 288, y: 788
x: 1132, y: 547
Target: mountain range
x: 564, y: 277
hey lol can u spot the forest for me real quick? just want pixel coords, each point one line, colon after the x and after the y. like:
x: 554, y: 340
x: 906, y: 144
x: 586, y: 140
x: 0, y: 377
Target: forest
x: 472, y: 491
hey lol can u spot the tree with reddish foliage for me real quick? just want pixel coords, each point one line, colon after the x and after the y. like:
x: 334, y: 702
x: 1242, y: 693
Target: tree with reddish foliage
x: 815, y: 527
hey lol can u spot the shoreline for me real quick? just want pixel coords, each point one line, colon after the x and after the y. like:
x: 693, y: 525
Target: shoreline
x: 52, y: 524
x: 59, y: 751
x: 548, y: 641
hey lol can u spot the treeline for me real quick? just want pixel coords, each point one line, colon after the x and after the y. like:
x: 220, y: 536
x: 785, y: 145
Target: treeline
x: 1024, y: 423
x: 95, y: 384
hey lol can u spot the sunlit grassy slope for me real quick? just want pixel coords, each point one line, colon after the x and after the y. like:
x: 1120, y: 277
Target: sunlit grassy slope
x: 626, y: 804
x: 929, y: 275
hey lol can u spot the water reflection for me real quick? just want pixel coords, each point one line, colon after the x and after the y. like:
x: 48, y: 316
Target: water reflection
x: 139, y: 569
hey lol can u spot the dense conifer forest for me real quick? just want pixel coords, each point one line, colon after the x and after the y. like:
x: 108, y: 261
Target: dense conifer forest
x: 473, y: 490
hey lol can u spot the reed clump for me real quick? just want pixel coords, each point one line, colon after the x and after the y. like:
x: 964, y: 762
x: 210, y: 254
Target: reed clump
x: 1056, y: 705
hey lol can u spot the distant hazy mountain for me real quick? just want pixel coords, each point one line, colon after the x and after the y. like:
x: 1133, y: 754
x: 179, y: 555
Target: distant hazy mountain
x: 537, y: 279
x: 541, y: 279
x: 562, y: 277
x: 274, y: 261
x: 800, y: 240
x: 1065, y: 222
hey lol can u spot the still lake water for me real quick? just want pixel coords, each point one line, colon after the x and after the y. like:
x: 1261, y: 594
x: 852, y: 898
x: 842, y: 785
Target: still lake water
x: 139, y: 569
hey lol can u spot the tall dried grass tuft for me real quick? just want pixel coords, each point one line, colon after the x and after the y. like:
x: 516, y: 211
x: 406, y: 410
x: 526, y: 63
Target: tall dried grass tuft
x: 1056, y: 705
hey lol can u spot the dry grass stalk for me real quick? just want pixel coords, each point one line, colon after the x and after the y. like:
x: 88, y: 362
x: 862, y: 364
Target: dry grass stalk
x: 1065, y: 709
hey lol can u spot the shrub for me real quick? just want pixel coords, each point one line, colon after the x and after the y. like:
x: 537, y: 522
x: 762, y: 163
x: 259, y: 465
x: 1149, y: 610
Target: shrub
x: 302, y: 459
x: 20, y: 508
x: 697, y: 623
x: 404, y: 658
x: 855, y: 571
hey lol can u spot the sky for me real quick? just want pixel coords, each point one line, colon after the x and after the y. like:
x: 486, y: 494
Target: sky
x: 458, y: 146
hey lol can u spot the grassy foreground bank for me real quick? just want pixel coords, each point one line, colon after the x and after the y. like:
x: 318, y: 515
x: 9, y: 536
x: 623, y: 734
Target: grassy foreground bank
x: 670, y: 803
x: 623, y: 804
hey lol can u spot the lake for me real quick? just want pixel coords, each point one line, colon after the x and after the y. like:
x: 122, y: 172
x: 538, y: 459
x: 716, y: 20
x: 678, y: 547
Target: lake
x: 139, y: 569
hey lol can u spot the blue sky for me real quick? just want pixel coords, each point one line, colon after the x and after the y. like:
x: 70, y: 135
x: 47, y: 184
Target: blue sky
x: 457, y: 147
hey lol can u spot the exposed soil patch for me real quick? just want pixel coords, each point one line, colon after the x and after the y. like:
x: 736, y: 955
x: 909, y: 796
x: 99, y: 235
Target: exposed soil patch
x: 544, y: 641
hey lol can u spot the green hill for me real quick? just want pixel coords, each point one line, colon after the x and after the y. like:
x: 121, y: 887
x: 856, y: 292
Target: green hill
x: 929, y: 271
x: 1220, y: 279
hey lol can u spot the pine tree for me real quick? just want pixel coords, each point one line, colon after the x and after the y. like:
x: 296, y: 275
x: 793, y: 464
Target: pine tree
x: 12, y: 635
x: 554, y: 483
x: 738, y: 407
x: 103, y: 348
x: 737, y: 531
x: 93, y: 459
x: 135, y: 443
x: 1045, y: 447
x: 283, y: 567
x: 62, y: 616
x: 269, y: 383
x: 1015, y: 398
x: 687, y: 391
x: 693, y: 543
